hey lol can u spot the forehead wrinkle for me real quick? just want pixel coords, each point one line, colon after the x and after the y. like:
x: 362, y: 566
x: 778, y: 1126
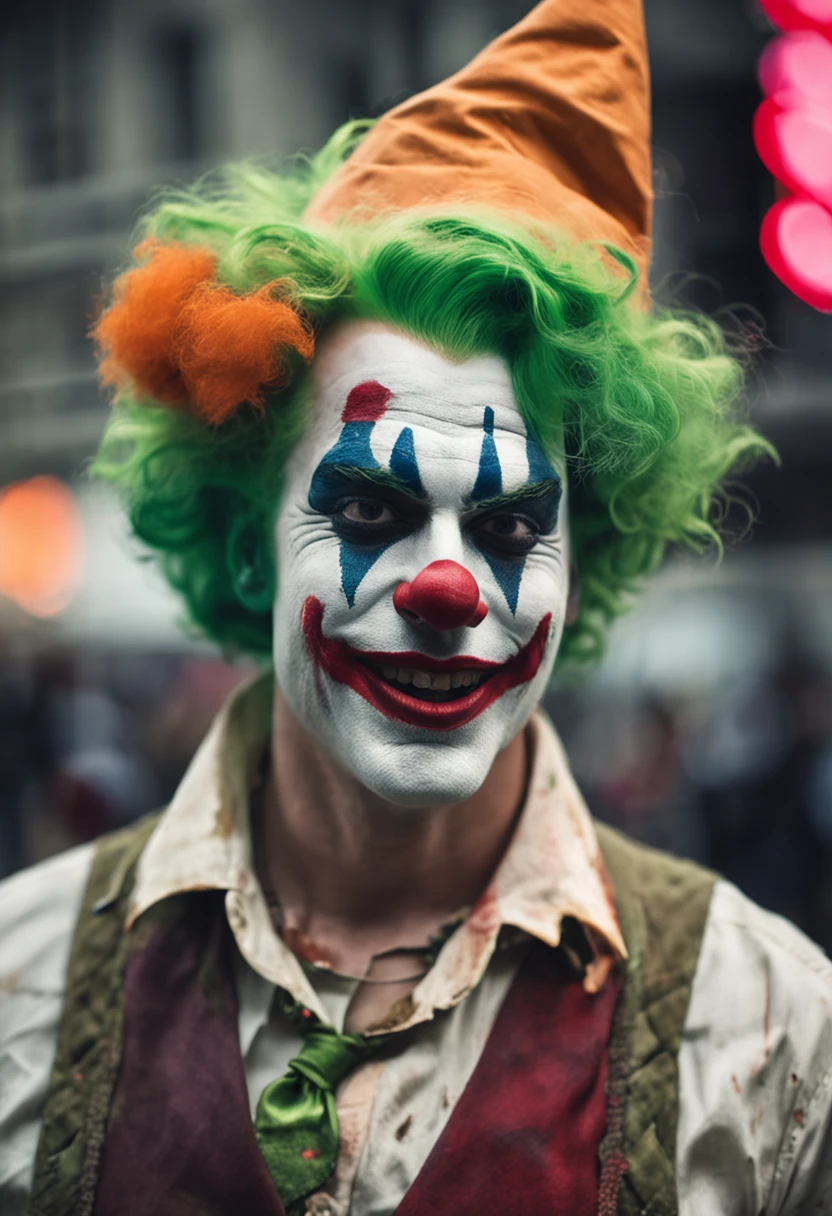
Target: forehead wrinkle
x: 426, y: 385
x: 423, y: 412
x: 468, y: 427
x: 372, y: 367
x: 449, y: 477
x: 419, y: 419
x: 443, y: 444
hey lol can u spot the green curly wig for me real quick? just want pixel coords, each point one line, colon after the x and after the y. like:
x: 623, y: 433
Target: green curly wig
x: 642, y: 406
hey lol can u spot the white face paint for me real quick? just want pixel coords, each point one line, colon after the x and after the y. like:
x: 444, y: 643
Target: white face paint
x: 415, y: 678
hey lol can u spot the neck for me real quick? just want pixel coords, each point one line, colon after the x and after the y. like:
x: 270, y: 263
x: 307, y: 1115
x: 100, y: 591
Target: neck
x: 357, y: 875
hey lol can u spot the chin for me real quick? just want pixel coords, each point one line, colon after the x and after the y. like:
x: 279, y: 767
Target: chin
x: 422, y: 775
x: 414, y: 768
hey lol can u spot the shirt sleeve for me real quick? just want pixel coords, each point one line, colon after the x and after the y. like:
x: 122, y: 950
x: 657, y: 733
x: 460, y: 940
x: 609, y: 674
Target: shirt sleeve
x: 38, y: 911
x: 755, y: 1069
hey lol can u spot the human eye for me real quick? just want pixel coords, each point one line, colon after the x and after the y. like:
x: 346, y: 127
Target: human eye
x: 506, y: 535
x: 367, y: 511
x: 368, y: 521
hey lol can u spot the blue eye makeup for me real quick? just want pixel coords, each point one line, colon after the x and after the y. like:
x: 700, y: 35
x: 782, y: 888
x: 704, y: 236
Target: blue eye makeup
x: 370, y: 507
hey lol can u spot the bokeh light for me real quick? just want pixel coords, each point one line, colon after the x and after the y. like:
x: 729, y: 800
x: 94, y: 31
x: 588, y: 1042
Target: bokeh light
x: 799, y: 14
x: 41, y: 545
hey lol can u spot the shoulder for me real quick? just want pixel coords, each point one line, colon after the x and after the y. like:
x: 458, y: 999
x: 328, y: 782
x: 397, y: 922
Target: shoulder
x: 759, y: 977
x: 739, y: 933
x: 755, y: 1065
x: 38, y: 912
x: 760, y: 980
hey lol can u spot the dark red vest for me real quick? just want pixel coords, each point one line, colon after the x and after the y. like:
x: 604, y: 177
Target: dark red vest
x: 523, y: 1137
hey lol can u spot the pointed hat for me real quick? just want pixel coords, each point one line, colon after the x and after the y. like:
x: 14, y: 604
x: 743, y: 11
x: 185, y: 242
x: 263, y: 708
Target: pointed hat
x: 550, y: 121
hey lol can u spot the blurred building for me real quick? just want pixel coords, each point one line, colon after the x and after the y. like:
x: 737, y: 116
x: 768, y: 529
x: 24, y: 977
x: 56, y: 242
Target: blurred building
x: 709, y: 730
x: 101, y: 101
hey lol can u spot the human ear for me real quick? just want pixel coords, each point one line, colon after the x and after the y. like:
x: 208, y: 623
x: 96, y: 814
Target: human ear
x: 250, y: 564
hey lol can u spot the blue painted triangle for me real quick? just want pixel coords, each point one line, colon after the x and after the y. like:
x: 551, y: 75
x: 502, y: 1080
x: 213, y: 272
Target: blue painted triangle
x: 355, y: 563
x: 403, y: 462
x: 508, y: 576
x: 489, y: 481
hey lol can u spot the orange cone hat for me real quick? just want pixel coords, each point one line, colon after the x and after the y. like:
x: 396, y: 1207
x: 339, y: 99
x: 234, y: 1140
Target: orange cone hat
x: 550, y: 121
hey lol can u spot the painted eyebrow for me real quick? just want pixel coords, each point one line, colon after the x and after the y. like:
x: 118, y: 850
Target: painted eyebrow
x: 532, y: 489
x: 382, y: 478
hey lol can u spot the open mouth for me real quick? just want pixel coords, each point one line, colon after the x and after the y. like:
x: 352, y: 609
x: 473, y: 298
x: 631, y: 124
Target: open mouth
x: 437, y: 688
x: 436, y: 694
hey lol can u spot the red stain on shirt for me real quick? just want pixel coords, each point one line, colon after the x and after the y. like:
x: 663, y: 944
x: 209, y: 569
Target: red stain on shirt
x: 485, y: 918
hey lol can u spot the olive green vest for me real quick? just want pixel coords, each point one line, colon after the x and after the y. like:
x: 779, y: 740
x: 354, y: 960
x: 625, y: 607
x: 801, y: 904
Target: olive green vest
x: 662, y: 905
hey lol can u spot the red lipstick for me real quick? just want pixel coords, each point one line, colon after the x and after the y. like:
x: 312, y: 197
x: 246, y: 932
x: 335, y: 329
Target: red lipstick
x: 355, y: 669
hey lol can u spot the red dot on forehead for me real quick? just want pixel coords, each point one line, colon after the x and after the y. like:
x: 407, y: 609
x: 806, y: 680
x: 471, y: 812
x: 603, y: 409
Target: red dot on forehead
x: 366, y: 402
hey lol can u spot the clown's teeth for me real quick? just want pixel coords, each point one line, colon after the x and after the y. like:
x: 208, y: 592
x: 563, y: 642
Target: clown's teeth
x: 442, y: 681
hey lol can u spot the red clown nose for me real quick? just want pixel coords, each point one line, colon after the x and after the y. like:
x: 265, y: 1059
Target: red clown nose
x: 444, y: 595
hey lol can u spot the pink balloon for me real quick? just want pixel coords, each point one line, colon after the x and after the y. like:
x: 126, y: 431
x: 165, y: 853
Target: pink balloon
x: 799, y: 14
x: 797, y: 69
x: 796, y: 145
x: 796, y: 240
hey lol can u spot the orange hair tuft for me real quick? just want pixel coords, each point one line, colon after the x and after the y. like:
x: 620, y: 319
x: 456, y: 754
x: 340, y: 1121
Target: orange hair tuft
x: 231, y: 348
x: 187, y: 341
x: 137, y: 335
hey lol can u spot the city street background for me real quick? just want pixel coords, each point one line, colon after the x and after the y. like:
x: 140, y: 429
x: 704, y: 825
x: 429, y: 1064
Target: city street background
x: 708, y: 730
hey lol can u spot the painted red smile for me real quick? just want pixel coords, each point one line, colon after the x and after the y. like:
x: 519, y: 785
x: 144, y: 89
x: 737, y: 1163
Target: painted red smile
x: 361, y: 670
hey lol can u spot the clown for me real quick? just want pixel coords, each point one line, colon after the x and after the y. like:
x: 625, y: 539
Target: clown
x: 402, y: 424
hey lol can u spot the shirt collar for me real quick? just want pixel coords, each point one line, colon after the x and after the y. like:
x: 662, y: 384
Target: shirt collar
x: 551, y: 870
x: 203, y: 839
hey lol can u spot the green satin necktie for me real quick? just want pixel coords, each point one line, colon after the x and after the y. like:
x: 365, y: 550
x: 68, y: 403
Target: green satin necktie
x: 296, y: 1122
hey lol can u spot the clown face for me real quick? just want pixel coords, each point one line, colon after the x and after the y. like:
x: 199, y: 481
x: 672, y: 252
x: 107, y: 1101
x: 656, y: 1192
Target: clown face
x: 422, y: 563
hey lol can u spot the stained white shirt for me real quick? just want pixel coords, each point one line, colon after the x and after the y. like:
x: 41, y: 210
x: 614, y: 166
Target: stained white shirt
x: 755, y: 1064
